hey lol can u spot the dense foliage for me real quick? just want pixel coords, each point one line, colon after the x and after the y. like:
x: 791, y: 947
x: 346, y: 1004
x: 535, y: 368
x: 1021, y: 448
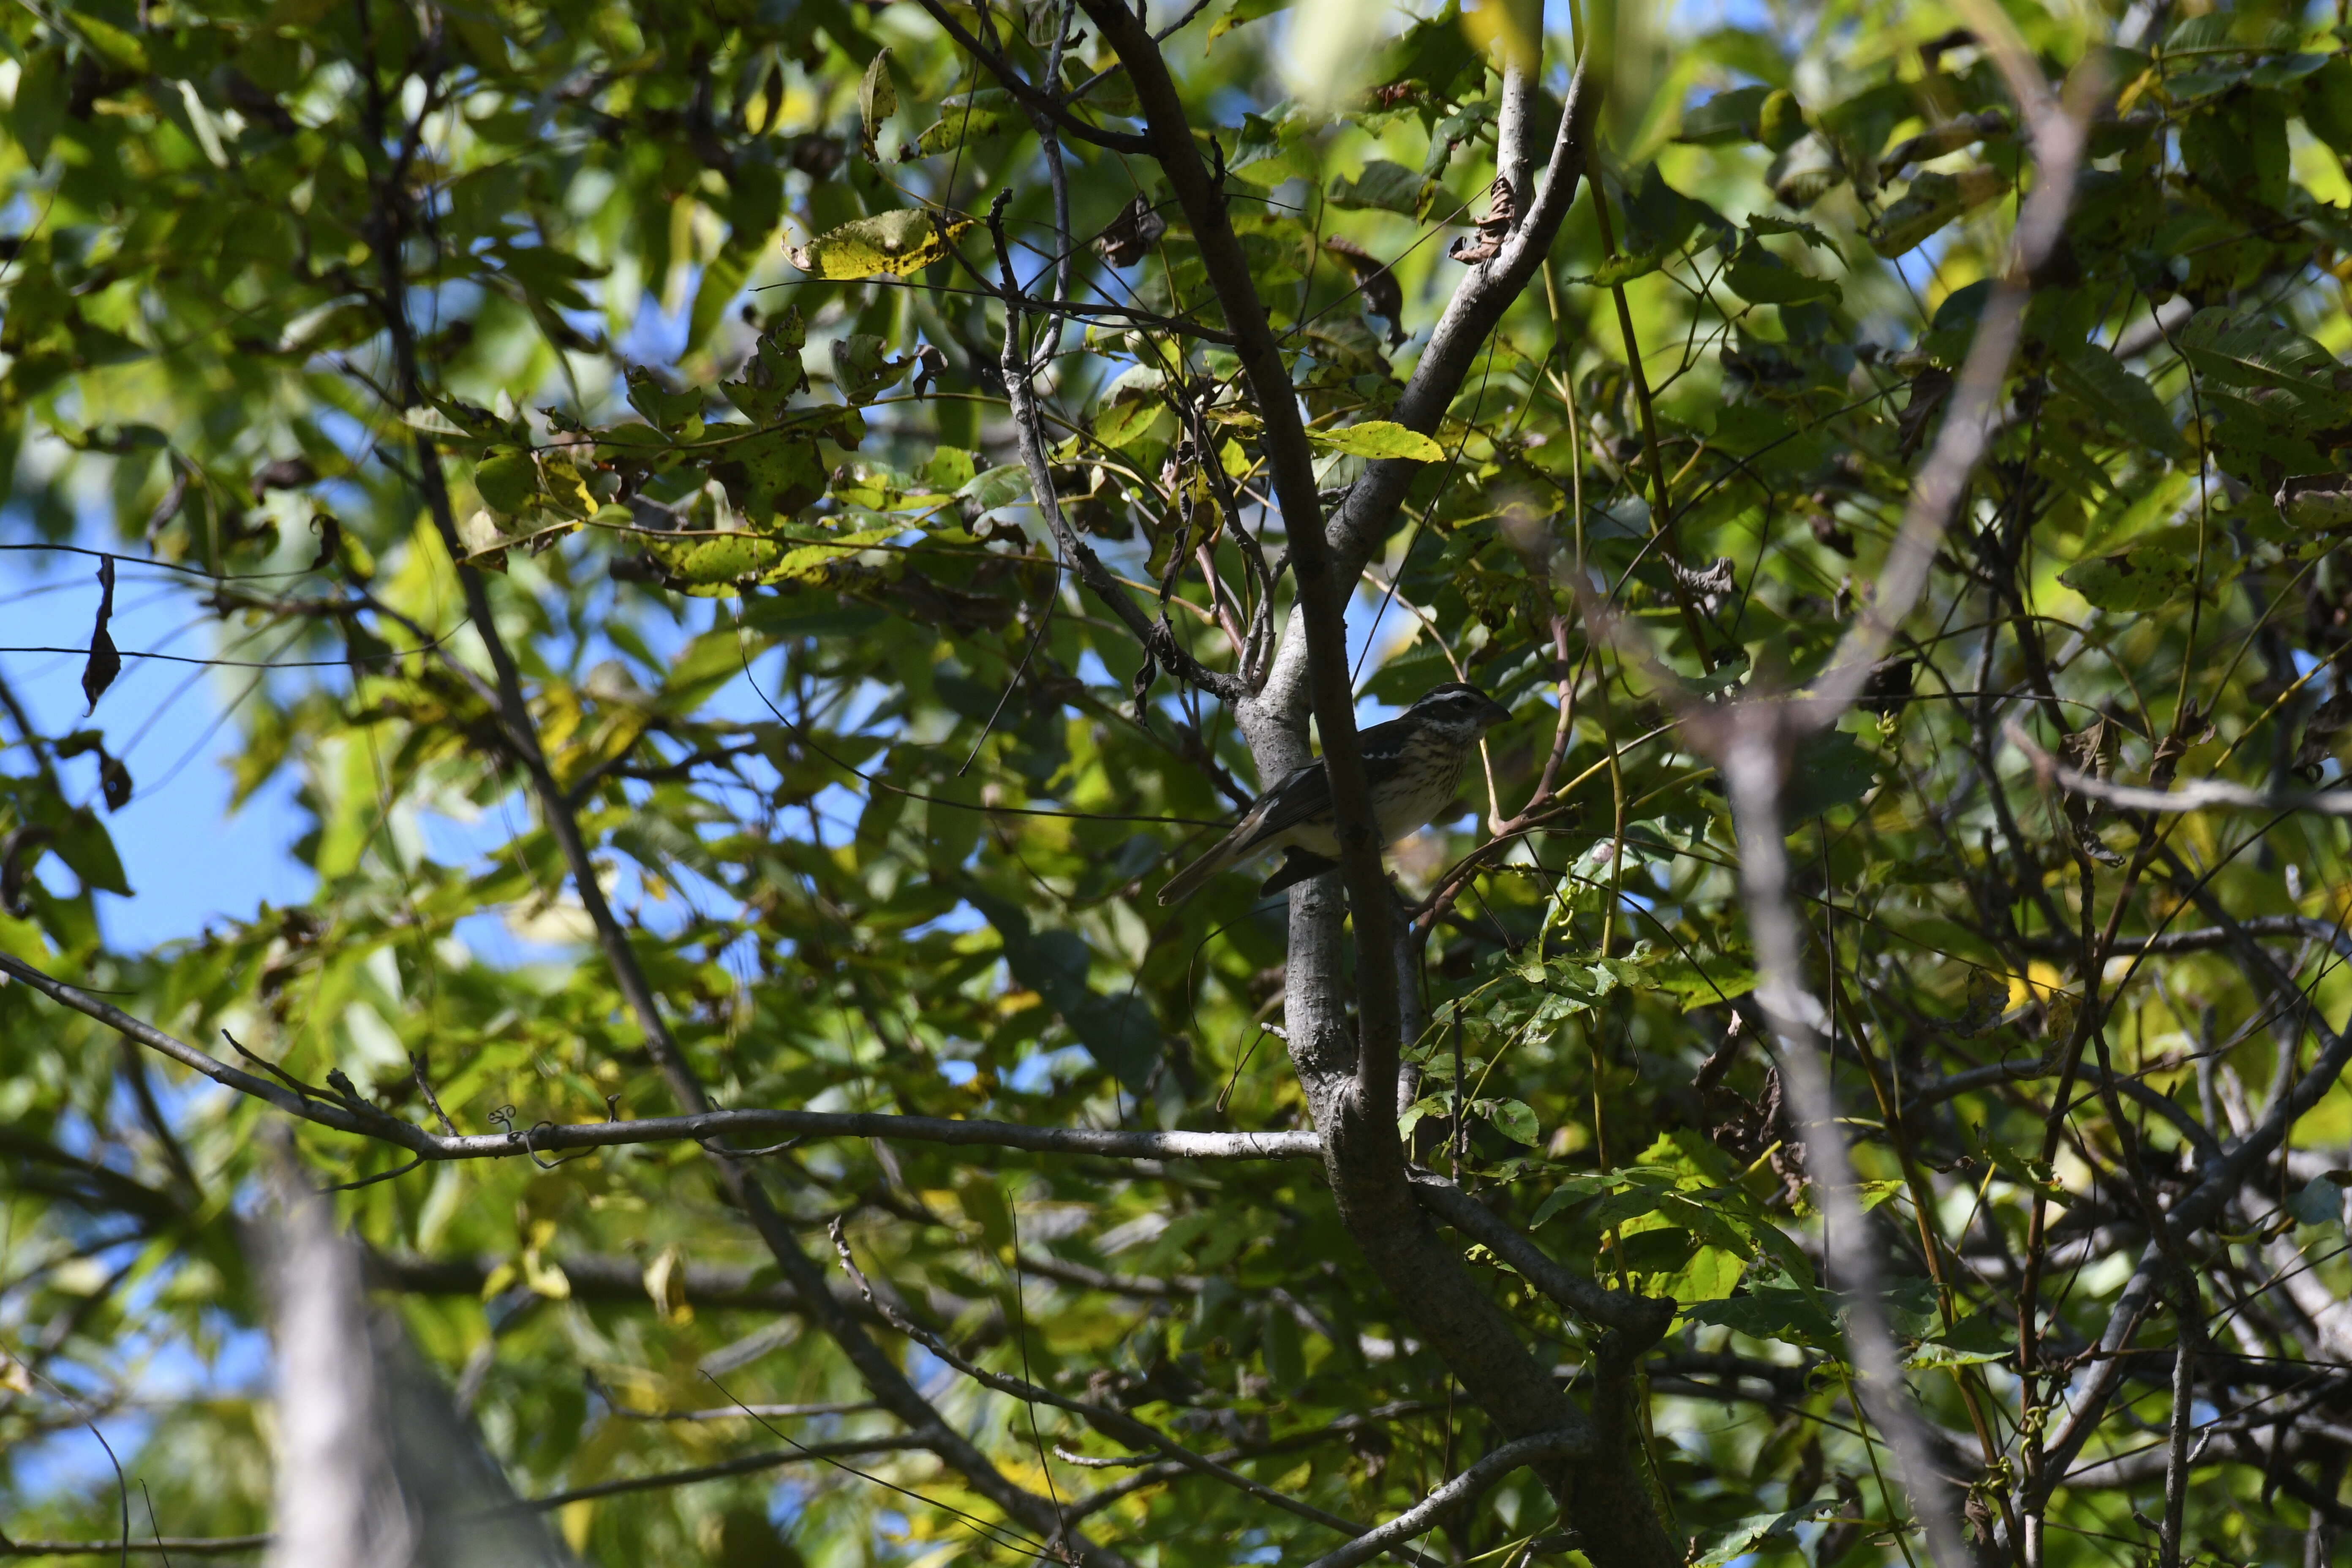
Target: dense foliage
x: 622, y: 431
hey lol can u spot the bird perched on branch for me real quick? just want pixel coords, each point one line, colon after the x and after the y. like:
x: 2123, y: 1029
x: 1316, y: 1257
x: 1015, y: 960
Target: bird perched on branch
x: 1413, y: 763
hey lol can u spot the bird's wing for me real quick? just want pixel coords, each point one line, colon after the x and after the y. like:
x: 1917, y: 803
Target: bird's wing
x: 1383, y: 746
x: 1307, y: 790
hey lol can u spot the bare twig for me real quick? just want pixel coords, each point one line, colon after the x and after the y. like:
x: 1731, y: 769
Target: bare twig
x: 1424, y: 1514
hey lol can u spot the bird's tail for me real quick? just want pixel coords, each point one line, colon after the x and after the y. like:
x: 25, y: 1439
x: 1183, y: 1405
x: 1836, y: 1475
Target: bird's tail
x: 1193, y: 877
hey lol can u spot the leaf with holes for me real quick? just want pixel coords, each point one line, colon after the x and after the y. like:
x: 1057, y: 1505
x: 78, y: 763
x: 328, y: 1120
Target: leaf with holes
x: 887, y: 244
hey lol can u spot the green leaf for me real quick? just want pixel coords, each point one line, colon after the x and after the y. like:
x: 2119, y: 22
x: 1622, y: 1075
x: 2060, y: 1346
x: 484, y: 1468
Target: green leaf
x: 1771, y: 1310
x: 770, y: 376
x: 1712, y: 978
x: 1118, y: 1032
x: 1969, y: 1341
x: 1742, y: 1540
x: 707, y: 566
x: 948, y: 470
x: 722, y: 279
x: 808, y: 562
x: 1933, y: 201
x: 2320, y: 1201
x: 890, y: 244
x: 999, y: 487
x: 870, y: 485
x: 2327, y: 104
x: 1727, y: 117
x: 2158, y: 569
x: 2316, y: 500
x: 43, y: 88
x: 860, y: 368
x: 1427, y: 1105
x: 1513, y: 1119
x: 1434, y: 56
x: 1239, y: 14
x: 662, y: 408
x: 1619, y: 270
x: 1870, y: 1194
x: 1386, y: 186
x: 2099, y: 381
x: 1761, y: 277
x: 1711, y: 1275
x: 83, y: 843
x: 1123, y: 423
x: 1567, y: 1195
x: 1765, y: 223
x: 507, y: 483
x: 118, y: 49
x: 771, y: 473
x: 2283, y: 375
x: 877, y: 100
x: 966, y: 118
x: 1830, y: 769
x: 1264, y: 152
x: 1660, y: 218
x: 1380, y: 439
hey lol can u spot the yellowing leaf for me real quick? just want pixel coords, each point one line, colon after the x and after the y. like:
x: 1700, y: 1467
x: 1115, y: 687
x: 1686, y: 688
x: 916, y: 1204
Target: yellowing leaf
x: 1380, y: 439
x: 896, y: 243
x: 712, y: 565
x: 665, y: 1284
x: 807, y: 564
x: 568, y: 492
x: 545, y: 1278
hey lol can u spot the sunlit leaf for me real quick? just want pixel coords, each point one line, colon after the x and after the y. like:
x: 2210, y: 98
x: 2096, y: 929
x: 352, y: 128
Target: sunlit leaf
x: 1380, y: 439
x: 892, y: 243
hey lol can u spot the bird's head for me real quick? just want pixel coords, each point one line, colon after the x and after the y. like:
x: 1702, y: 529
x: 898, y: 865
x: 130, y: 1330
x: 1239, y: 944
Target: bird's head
x: 1458, y: 709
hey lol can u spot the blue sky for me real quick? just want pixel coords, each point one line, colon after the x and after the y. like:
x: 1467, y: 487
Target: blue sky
x: 185, y: 856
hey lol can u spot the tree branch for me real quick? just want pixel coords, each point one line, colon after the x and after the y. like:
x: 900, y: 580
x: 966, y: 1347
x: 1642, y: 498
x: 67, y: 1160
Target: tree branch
x: 1643, y: 1319
x: 389, y: 227
x: 702, y: 1127
x: 1426, y: 1514
x: 1032, y: 98
x: 1322, y: 587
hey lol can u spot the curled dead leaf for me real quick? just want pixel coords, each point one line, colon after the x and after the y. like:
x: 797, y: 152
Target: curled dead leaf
x: 1131, y: 234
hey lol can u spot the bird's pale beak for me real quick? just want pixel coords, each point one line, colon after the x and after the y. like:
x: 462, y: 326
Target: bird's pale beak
x: 1493, y: 714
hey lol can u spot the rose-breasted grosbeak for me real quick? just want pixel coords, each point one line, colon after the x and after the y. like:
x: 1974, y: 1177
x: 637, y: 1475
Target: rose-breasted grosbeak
x: 1413, y: 763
